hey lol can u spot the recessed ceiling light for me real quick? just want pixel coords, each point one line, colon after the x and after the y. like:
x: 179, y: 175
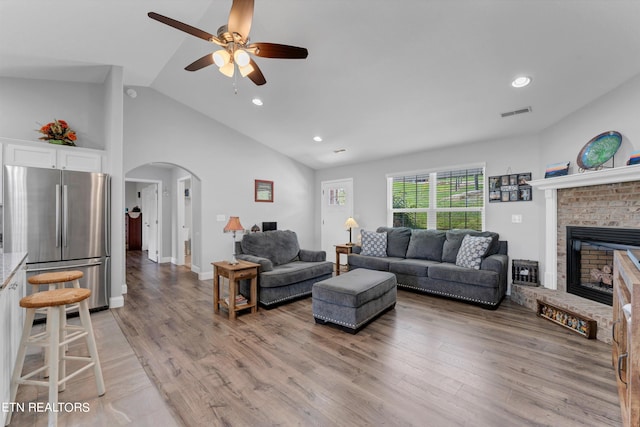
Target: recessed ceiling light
x: 340, y: 150
x: 521, y: 81
x: 257, y: 101
x: 317, y: 138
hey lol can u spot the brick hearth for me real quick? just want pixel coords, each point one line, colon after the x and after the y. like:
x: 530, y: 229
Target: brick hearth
x: 601, y: 313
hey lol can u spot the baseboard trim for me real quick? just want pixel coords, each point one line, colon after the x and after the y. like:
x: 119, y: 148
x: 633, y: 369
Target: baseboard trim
x: 116, y: 302
x: 207, y: 275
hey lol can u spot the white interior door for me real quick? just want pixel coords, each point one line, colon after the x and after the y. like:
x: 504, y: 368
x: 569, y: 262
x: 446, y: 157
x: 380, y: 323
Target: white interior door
x: 337, y: 206
x: 183, y: 221
x: 150, y: 221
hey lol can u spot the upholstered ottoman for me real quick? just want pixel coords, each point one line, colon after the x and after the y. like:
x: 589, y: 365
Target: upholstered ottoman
x: 353, y: 299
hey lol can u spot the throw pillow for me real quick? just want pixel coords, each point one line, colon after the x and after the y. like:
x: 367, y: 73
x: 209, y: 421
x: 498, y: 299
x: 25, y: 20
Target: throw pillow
x: 472, y: 250
x: 374, y: 244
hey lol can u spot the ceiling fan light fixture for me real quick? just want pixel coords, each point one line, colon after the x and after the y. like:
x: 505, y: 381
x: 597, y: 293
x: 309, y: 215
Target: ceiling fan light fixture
x: 227, y: 69
x: 221, y: 57
x: 241, y: 57
x: 245, y: 70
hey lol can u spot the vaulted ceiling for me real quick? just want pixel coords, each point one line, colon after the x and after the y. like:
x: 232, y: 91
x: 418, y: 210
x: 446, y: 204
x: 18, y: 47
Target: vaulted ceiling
x: 383, y: 77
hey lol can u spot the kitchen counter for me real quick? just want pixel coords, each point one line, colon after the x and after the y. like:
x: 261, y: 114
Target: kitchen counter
x: 10, y: 263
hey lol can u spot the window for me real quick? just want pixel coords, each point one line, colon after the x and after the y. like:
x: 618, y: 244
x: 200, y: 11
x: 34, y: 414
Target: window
x: 439, y: 200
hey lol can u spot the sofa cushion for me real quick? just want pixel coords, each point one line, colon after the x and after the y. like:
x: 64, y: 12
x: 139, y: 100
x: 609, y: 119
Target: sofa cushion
x: 370, y: 262
x: 472, y: 251
x: 426, y: 244
x: 280, y: 246
x: 412, y: 267
x: 374, y: 244
x: 397, y: 240
x: 453, y: 273
x: 293, y: 272
x: 454, y: 240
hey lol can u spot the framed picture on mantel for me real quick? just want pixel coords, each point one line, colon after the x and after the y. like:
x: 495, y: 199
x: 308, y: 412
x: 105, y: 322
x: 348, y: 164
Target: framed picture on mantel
x: 510, y: 188
x: 263, y: 191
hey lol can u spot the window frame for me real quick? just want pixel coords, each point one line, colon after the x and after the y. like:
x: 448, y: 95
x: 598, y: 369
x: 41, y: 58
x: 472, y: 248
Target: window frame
x: 432, y: 210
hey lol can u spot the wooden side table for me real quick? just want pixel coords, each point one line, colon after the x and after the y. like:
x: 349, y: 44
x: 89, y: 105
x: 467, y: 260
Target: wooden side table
x: 235, y: 272
x: 341, y: 249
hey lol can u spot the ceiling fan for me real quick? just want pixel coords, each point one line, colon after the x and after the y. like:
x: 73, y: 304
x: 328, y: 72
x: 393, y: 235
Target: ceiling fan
x: 233, y: 38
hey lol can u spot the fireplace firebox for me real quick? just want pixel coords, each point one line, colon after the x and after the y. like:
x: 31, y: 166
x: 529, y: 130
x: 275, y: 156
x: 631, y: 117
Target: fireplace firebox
x: 590, y: 259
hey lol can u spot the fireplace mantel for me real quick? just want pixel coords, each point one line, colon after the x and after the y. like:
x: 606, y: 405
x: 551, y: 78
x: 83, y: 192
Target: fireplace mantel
x: 585, y: 179
x: 551, y: 186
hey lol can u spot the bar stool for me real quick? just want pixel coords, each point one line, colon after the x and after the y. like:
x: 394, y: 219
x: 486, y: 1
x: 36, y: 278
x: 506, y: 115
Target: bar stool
x: 56, y: 280
x: 55, y: 338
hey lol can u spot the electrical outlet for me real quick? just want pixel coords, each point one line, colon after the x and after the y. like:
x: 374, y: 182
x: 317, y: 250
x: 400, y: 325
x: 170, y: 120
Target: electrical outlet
x: 221, y: 218
x: 516, y: 219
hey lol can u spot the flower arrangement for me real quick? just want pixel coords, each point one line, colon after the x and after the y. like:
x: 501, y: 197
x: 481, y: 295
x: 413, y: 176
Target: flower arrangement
x: 58, y: 132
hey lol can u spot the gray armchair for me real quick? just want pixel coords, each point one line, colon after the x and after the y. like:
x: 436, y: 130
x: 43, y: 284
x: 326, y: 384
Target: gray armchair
x: 286, y: 272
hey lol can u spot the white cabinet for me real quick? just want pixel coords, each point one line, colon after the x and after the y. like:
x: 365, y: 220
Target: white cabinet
x: 77, y: 160
x: 26, y: 155
x: 11, y: 325
x: 56, y: 157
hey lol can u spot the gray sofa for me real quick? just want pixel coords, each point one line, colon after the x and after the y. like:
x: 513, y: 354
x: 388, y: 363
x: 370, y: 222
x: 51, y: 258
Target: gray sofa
x: 286, y: 272
x: 425, y: 261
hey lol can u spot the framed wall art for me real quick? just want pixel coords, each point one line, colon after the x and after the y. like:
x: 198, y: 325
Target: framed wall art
x: 263, y: 191
x: 510, y: 188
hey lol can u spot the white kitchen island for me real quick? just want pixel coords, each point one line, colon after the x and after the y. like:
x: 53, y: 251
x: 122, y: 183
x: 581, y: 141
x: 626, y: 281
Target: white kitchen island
x: 12, y: 289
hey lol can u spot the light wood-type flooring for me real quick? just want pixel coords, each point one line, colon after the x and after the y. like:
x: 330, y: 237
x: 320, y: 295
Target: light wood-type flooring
x: 428, y: 362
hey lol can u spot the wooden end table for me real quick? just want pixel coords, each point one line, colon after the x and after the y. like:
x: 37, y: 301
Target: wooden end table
x: 235, y: 272
x: 341, y: 249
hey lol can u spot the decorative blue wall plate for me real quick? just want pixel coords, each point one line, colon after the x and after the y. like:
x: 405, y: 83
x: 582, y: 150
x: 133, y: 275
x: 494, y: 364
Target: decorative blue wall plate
x: 599, y: 150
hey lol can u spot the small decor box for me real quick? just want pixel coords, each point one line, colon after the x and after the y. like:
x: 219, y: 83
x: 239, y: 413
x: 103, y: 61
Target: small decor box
x: 579, y: 324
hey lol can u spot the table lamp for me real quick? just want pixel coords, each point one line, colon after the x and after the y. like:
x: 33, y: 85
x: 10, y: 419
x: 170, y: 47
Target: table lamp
x: 232, y: 226
x: 351, y: 223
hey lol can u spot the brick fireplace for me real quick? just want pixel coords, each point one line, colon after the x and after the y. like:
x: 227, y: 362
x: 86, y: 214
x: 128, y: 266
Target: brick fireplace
x: 608, y: 198
x: 614, y: 206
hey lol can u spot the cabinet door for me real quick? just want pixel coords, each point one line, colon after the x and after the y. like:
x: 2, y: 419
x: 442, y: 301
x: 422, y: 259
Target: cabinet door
x: 77, y: 160
x: 17, y: 292
x: 5, y: 350
x: 27, y: 155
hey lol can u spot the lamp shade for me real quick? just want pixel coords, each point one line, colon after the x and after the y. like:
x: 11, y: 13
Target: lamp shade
x: 227, y: 69
x: 351, y: 223
x: 233, y: 225
x: 241, y: 57
x: 221, y: 57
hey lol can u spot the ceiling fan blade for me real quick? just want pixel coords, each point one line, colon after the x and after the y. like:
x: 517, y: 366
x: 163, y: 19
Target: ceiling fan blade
x: 256, y: 75
x: 240, y: 18
x: 205, y: 61
x: 182, y: 26
x: 274, y: 50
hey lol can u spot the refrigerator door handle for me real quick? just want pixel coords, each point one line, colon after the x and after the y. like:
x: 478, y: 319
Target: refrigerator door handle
x: 65, y: 214
x: 58, y: 236
x: 33, y: 270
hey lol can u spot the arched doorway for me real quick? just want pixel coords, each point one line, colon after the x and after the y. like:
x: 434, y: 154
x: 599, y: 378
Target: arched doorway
x: 178, y: 204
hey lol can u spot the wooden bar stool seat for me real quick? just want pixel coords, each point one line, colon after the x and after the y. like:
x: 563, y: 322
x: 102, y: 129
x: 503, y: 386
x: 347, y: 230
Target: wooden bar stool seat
x: 57, y: 335
x: 57, y: 278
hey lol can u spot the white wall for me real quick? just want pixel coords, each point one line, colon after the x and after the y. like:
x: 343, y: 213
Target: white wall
x: 27, y: 104
x: 159, y: 129
x: 514, y: 154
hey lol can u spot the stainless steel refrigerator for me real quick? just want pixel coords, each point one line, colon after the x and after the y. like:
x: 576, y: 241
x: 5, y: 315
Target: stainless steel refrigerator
x: 61, y: 218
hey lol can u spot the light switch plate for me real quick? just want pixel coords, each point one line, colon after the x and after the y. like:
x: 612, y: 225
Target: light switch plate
x: 221, y: 218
